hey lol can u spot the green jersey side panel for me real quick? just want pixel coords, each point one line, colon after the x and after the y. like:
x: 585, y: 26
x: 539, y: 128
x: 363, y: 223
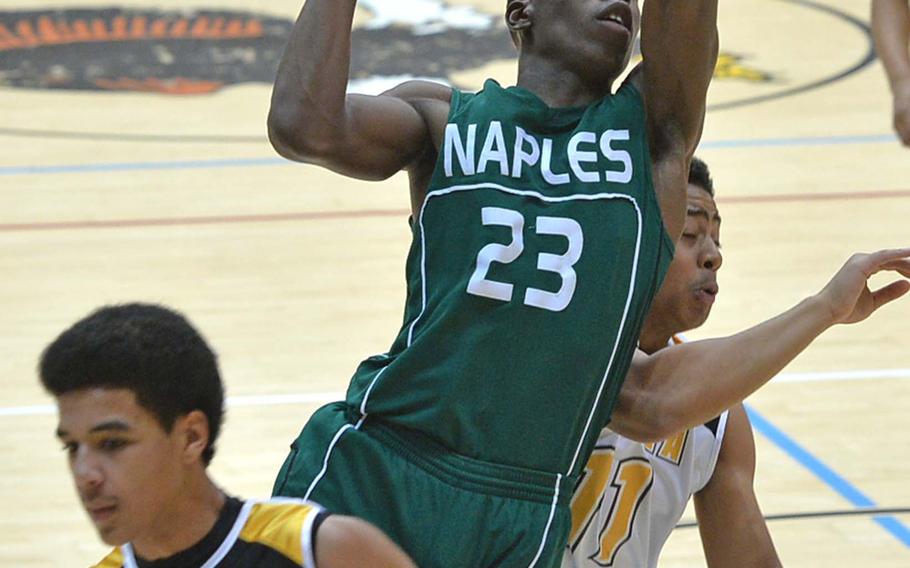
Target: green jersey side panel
x: 534, y: 260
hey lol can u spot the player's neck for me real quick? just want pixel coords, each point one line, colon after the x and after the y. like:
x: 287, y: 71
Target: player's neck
x: 185, y: 523
x: 654, y: 337
x: 558, y: 86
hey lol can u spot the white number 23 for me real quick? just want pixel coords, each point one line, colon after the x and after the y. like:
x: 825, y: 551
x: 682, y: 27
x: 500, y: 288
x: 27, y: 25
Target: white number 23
x: 561, y: 264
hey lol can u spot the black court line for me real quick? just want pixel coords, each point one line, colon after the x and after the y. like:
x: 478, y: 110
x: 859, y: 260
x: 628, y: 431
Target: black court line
x: 871, y: 511
x: 867, y: 59
x: 864, y: 62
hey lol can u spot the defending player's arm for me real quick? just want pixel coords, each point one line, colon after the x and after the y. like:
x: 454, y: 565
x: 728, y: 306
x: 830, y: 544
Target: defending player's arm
x: 891, y: 28
x: 347, y: 542
x: 312, y: 119
x: 665, y: 393
x: 733, y: 530
x: 679, y: 44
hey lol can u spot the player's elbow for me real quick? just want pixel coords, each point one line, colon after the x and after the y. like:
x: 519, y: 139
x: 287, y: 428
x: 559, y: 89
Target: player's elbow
x: 299, y: 129
x: 643, y: 416
x: 280, y: 135
x: 292, y: 136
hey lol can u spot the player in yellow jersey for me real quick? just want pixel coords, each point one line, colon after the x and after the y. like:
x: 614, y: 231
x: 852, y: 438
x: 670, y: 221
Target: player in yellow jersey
x: 891, y: 28
x: 631, y: 495
x: 140, y: 404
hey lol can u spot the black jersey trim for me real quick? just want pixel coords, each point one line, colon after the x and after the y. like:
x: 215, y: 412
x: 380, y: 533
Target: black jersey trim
x: 317, y: 522
x: 713, y: 425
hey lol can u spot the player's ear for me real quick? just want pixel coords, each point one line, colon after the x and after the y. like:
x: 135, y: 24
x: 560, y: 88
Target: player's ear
x: 193, y: 435
x: 518, y: 16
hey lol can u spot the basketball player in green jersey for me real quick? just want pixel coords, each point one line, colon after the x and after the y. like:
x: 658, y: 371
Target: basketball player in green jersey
x: 539, y: 216
x: 544, y: 217
x: 891, y: 28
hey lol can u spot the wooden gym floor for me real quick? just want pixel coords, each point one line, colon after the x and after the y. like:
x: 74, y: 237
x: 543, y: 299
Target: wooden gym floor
x: 123, y: 192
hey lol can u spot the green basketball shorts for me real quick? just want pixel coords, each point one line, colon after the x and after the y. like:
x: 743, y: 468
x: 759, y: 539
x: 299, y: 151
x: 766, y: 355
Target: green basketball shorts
x: 444, y: 509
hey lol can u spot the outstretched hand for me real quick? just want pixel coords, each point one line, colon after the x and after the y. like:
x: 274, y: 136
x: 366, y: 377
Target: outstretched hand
x: 848, y: 294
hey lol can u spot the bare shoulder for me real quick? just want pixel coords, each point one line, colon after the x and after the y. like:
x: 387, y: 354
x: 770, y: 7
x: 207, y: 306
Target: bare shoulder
x: 348, y: 542
x: 418, y: 89
x: 737, y: 450
x: 431, y: 100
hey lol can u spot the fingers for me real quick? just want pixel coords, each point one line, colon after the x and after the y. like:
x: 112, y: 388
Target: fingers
x: 890, y: 293
x: 901, y: 266
x: 875, y: 261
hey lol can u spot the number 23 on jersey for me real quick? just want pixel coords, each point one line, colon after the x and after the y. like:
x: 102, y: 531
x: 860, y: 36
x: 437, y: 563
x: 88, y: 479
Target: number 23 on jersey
x: 561, y: 264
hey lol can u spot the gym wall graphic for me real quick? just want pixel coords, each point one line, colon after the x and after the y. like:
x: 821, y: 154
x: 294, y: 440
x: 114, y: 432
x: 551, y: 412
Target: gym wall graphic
x: 202, y: 51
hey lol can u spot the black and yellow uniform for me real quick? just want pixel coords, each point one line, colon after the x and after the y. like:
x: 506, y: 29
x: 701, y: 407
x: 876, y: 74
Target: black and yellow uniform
x: 277, y: 533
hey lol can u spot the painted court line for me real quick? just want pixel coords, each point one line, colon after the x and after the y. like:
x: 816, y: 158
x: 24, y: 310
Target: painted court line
x: 818, y: 468
x: 326, y: 397
x: 196, y: 221
x: 843, y: 375
x: 141, y: 166
x: 829, y: 196
x: 801, y: 141
x: 232, y: 402
x: 370, y: 213
x: 827, y: 475
x: 275, y: 161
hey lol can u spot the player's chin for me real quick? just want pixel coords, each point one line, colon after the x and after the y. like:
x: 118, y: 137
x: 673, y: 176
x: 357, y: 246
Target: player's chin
x: 697, y: 315
x: 113, y: 534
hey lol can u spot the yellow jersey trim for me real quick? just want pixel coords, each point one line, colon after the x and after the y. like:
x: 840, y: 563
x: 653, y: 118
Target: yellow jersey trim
x: 112, y: 560
x: 280, y: 526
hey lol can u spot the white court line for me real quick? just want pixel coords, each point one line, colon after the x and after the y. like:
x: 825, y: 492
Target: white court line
x: 843, y: 376
x: 326, y: 397
x: 232, y: 402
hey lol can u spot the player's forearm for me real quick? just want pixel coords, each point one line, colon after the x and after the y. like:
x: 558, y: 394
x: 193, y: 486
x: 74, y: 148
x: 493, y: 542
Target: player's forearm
x: 734, y: 533
x: 732, y: 527
x: 689, y: 384
x: 308, y: 99
x: 891, y: 28
x: 679, y: 42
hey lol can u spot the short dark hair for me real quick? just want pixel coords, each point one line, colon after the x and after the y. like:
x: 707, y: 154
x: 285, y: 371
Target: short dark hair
x: 148, y: 349
x: 700, y: 175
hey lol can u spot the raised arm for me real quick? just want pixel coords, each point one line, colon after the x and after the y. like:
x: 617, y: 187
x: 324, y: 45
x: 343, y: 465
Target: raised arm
x: 733, y: 530
x: 313, y: 120
x: 891, y: 28
x: 679, y: 44
x: 688, y: 384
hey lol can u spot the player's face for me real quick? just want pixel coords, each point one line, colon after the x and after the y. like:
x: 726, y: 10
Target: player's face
x: 690, y: 287
x: 595, y: 35
x: 126, y: 468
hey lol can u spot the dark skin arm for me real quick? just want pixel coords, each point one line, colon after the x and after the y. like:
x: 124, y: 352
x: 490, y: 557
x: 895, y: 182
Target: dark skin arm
x: 891, y: 29
x: 733, y: 530
x: 348, y: 542
x: 679, y: 44
x: 313, y: 120
x: 665, y: 393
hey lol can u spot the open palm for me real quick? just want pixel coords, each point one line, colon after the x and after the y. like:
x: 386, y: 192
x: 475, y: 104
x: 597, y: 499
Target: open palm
x: 848, y: 294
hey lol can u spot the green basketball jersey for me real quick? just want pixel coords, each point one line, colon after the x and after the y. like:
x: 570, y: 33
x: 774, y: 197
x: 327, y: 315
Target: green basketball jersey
x: 535, y: 256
